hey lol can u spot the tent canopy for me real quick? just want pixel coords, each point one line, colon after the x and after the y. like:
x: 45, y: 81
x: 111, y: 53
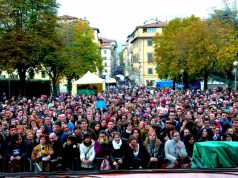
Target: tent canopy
x: 111, y: 80
x: 89, y: 78
x: 88, y: 81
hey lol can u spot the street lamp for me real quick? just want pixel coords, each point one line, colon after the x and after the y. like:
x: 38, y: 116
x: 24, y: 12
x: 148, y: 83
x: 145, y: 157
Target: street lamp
x: 181, y: 72
x: 235, y: 64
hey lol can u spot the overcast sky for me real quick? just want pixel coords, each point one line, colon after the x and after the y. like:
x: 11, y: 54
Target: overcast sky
x: 116, y: 19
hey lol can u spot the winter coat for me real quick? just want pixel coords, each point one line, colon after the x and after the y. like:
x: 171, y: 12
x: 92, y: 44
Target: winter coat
x: 88, y: 153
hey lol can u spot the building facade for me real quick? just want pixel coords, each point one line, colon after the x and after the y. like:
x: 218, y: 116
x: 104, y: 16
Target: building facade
x: 139, y: 53
x: 109, y: 56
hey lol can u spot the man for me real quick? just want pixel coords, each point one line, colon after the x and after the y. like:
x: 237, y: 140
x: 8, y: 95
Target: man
x: 56, y: 153
x: 61, y: 135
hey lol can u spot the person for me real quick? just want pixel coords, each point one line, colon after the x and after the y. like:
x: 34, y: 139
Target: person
x: 136, y: 156
x: 16, y: 152
x: 175, y: 149
x: 71, y: 153
x: 189, y: 144
x: 155, y: 148
x: 117, y: 151
x: 101, y: 147
x: 56, y: 152
x: 206, y: 135
x: 41, y: 153
x: 87, y: 152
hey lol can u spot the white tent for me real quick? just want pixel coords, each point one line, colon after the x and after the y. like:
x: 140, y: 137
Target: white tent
x: 111, y: 80
x: 90, y: 80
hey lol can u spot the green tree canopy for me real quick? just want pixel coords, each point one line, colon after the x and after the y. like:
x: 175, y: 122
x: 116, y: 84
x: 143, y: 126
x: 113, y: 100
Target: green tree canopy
x: 26, y: 28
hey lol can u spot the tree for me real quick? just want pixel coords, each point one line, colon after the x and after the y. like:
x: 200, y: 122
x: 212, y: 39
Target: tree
x: 81, y: 52
x: 171, y: 50
x: 196, y: 46
x: 25, y: 26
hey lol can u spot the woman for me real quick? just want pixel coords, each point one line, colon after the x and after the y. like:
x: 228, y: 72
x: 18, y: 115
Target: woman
x: 175, y: 149
x: 207, y: 135
x: 155, y: 149
x: 117, y: 151
x: 97, y: 128
x: 87, y: 153
x: 136, y: 156
x: 189, y: 144
x: 41, y: 153
x: 70, y: 152
x: 16, y: 152
x: 101, y: 147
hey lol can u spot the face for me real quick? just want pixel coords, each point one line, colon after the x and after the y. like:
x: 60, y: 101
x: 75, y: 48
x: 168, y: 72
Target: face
x: 87, y: 140
x: 176, y: 137
x: 38, y: 133
x: 19, y: 140
x: 117, y: 138
x: 186, y: 132
x: 136, y: 133
x: 191, y: 140
x: 230, y: 131
x: 204, y: 133
x: 152, y: 136
x: 69, y: 142
x: 42, y: 141
x: 97, y: 127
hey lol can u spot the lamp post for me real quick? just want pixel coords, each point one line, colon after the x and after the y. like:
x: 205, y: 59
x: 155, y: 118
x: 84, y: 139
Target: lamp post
x: 181, y: 72
x: 235, y: 64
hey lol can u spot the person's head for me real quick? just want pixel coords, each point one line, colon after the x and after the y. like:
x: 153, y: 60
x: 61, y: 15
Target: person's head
x: 52, y: 137
x: 186, y: 132
x: 228, y: 137
x: 17, y: 138
x: 176, y: 136
x: 38, y: 133
x: 29, y: 135
x: 57, y: 127
x: 43, y: 139
x: 172, y: 116
x: 189, y: 139
x: 132, y: 140
x: 97, y: 126
x: 12, y: 130
x: 116, y: 137
x: 102, y: 135
x: 235, y: 123
x: 110, y: 125
x: 230, y: 131
x: 136, y: 132
x: 71, y: 140
x: 87, y: 138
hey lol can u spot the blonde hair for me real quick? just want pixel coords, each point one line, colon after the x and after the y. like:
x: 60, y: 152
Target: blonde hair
x: 157, y: 140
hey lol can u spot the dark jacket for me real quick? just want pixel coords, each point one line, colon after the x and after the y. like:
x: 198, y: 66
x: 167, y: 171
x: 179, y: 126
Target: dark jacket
x: 142, y: 159
x: 118, y: 153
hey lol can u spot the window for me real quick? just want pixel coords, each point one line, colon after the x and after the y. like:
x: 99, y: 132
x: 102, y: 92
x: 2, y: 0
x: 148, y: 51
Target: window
x: 43, y: 74
x: 150, y: 57
x: 105, y: 64
x: 2, y: 76
x: 151, y: 30
x: 150, y: 71
x: 104, y: 58
x: 105, y: 70
x: 105, y: 51
x: 144, y: 30
x: 149, y: 43
x: 14, y: 76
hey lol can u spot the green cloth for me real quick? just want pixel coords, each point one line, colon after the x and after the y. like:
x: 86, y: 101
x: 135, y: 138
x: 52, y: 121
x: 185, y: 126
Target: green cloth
x: 215, y: 154
x: 85, y: 92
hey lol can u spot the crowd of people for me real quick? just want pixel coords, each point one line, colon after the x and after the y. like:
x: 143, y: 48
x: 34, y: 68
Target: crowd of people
x: 140, y: 127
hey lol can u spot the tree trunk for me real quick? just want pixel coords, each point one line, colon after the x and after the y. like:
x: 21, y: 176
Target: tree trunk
x: 69, y: 85
x: 185, y: 80
x: 174, y: 84
x: 54, y: 87
x: 22, y: 76
x: 205, y: 82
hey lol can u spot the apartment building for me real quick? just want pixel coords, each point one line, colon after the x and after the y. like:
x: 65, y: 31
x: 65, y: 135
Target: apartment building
x: 109, y: 56
x: 139, y: 53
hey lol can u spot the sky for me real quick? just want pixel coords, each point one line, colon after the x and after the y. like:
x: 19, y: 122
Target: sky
x: 116, y: 19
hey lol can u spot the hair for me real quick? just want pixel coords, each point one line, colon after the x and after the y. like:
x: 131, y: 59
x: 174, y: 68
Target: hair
x: 174, y: 132
x: 132, y: 137
x: 137, y: 129
x: 157, y: 140
x: 116, y: 134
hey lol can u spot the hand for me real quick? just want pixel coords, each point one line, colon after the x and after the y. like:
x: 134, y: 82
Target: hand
x: 178, y: 145
x: 119, y: 161
x: 17, y: 157
x: 11, y: 158
x: 84, y: 161
x: 101, y: 140
x: 114, y: 163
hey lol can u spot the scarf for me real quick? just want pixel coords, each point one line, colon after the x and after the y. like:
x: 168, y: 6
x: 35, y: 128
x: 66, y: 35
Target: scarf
x: 87, y: 144
x: 116, y: 145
